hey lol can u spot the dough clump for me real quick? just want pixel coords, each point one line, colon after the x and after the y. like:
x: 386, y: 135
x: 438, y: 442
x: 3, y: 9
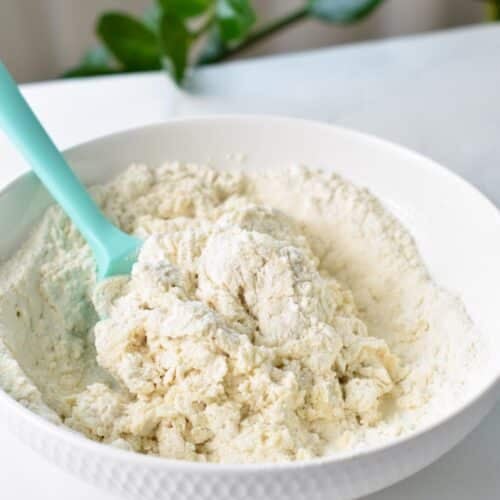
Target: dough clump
x: 228, y: 342
x: 272, y: 315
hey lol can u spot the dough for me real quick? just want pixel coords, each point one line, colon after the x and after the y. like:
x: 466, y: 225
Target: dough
x: 270, y: 317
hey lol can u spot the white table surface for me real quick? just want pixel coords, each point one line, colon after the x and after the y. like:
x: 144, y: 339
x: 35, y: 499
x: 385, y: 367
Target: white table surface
x: 438, y: 94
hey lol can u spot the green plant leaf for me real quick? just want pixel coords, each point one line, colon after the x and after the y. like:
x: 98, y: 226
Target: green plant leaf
x: 132, y: 43
x: 95, y: 62
x: 235, y: 18
x: 175, y: 43
x: 152, y: 17
x: 342, y: 11
x: 185, y: 8
x: 83, y: 70
x: 97, y: 56
x: 212, y: 49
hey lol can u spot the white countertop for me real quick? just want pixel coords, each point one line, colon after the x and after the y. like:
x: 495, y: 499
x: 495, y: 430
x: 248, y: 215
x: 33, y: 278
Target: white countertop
x: 435, y: 93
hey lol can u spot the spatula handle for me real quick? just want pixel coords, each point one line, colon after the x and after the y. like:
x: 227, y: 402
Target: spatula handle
x: 23, y: 128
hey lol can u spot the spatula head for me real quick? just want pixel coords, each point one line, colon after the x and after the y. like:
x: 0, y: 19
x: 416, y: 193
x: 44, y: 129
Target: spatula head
x: 119, y: 255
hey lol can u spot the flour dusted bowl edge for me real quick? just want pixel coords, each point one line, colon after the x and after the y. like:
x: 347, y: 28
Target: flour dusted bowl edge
x: 457, y: 231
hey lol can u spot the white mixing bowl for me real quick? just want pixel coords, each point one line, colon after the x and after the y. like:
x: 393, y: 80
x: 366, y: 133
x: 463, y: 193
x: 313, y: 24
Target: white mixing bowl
x: 456, y: 229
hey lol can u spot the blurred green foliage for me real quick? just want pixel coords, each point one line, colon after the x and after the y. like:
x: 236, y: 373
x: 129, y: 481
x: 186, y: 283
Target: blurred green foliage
x: 494, y: 10
x: 175, y: 34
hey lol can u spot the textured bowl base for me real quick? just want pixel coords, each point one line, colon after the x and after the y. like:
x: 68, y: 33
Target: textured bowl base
x: 343, y: 480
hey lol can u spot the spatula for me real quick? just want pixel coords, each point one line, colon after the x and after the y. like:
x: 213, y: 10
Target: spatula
x: 115, y: 252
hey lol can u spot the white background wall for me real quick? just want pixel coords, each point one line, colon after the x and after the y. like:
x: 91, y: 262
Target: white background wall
x: 41, y: 38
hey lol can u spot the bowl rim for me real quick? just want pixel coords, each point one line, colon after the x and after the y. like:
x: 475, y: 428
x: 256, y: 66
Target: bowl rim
x: 74, y: 438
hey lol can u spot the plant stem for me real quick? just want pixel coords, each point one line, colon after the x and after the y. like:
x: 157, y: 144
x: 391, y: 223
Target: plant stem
x: 204, y: 27
x: 264, y: 32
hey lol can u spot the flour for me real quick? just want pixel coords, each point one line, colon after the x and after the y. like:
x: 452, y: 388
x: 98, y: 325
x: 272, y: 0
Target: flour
x: 269, y: 317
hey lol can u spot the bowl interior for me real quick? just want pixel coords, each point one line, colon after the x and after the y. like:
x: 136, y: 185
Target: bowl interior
x: 456, y: 228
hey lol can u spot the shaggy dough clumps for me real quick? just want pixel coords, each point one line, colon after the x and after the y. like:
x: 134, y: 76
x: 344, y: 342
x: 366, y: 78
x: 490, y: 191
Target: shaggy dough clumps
x: 268, y: 318
x: 230, y: 342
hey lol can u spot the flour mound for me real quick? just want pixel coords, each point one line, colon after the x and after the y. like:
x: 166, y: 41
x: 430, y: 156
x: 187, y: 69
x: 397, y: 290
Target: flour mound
x: 229, y: 341
x: 245, y: 354
x: 270, y: 316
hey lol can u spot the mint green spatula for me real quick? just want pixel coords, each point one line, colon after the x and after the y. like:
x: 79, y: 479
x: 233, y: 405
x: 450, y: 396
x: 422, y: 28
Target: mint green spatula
x: 115, y: 251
